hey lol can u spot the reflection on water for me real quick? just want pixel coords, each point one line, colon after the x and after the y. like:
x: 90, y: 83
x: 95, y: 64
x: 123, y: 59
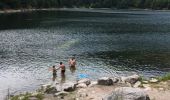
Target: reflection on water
x: 63, y: 78
x: 73, y: 69
x: 104, y: 42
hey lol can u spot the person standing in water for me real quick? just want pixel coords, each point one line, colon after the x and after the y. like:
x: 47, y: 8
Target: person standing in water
x: 72, y: 64
x: 62, y: 67
x: 54, y: 70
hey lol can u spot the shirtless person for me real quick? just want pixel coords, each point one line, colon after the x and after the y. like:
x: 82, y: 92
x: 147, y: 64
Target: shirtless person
x: 62, y: 67
x: 72, y: 62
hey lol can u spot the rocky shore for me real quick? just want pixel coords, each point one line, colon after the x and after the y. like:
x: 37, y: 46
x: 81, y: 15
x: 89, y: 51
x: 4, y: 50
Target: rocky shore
x: 105, y: 88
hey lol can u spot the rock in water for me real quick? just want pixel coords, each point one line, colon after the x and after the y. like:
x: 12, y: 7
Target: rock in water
x: 127, y: 93
x: 105, y: 81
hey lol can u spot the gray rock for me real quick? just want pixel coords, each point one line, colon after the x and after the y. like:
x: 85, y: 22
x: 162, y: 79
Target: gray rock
x: 130, y: 79
x: 127, y: 93
x: 105, y: 81
x: 83, y: 95
x: 137, y: 84
x: 145, y: 82
x: 62, y: 93
x: 93, y: 83
x: 85, y: 80
x: 153, y: 80
x: 59, y: 88
x: 114, y: 79
x: 45, y: 86
x: 69, y: 86
x: 51, y: 90
x: 81, y: 85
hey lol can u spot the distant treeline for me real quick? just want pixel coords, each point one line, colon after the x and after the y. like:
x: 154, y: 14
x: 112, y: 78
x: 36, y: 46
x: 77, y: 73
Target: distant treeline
x: 151, y: 4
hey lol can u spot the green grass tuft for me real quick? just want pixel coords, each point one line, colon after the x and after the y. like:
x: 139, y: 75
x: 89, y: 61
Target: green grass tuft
x: 165, y: 77
x: 39, y: 96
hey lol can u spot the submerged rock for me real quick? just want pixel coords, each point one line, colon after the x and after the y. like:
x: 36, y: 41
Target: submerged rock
x: 105, y: 81
x: 127, y: 93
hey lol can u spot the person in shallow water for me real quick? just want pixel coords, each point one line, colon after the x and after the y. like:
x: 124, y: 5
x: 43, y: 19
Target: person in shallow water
x: 62, y: 67
x: 54, y: 70
x: 72, y: 64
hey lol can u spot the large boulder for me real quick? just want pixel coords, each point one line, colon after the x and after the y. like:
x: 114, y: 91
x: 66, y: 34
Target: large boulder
x: 105, y: 81
x: 127, y: 93
x: 69, y: 86
x: 85, y: 80
x: 130, y: 79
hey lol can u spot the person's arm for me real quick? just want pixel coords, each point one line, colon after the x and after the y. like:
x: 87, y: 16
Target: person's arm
x: 58, y: 68
x: 50, y: 69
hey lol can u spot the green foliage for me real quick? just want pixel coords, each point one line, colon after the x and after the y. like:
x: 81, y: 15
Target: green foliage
x: 165, y: 77
x: 153, y: 4
x: 27, y: 96
x: 39, y: 96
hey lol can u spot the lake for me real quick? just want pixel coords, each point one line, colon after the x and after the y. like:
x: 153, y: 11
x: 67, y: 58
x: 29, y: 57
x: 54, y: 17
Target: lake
x: 104, y: 42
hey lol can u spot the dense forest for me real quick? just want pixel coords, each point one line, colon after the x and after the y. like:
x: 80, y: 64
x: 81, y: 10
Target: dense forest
x: 121, y: 4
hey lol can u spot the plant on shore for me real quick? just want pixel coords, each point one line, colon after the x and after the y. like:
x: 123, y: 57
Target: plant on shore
x: 27, y: 96
x: 166, y: 77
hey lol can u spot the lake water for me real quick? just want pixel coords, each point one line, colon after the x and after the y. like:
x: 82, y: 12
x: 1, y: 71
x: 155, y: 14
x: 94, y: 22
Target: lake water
x: 104, y: 42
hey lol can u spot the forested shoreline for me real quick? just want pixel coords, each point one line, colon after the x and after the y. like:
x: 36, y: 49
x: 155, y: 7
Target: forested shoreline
x: 120, y: 4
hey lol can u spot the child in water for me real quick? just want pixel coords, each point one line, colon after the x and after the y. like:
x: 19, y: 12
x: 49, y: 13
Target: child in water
x: 54, y: 70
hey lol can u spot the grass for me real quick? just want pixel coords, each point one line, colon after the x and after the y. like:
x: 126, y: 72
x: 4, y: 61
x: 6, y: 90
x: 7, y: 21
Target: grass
x: 26, y: 96
x: 166, y: 77
x: 39, y: 96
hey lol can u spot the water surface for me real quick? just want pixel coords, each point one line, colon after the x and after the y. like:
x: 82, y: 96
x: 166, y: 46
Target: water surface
x: 104, y: 42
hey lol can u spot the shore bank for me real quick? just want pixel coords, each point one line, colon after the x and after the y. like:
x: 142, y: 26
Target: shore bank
x: 102, y: 89
x: 70, y: 9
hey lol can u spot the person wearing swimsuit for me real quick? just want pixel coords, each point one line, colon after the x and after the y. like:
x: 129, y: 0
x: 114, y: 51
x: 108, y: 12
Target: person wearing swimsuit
x: 62, y: 67
x: 54, y: 70
x: 72, y: 62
